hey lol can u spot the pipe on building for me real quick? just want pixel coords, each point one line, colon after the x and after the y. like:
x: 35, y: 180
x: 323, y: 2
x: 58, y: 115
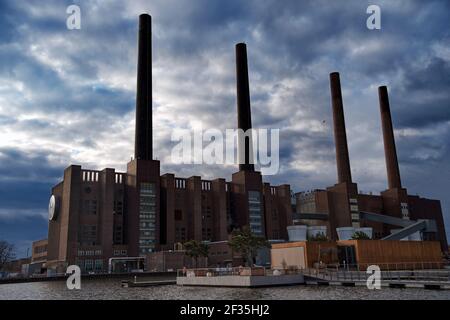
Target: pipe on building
x: 393, y: 172
x: 243, y: 103
x: 340, y: 137
x: 143, y: 148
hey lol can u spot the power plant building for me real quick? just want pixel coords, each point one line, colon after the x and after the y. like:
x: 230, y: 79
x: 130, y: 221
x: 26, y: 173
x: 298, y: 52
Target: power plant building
x: 96, y: 216
x: 99, y: 215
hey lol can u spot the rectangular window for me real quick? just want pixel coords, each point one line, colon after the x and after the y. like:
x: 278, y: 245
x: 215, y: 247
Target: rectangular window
x: 90, y: 207
x: 87, y: 235
x: 88, y: 265
x: 98, y: 264
x: 118, y: 234
x: 178, y: 215
x: 118, y: 207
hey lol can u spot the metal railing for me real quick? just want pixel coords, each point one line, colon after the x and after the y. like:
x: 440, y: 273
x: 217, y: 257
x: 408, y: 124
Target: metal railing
x: 408, y: 271
x: 236, y: 271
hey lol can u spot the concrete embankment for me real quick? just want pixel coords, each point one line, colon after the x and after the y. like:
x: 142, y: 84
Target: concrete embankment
x: 142, y: 276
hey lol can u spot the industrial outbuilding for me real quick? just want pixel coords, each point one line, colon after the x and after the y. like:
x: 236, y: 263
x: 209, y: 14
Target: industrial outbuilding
x: 357, y: 254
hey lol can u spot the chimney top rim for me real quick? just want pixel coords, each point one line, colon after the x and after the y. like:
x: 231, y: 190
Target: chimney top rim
x: 145, y: 15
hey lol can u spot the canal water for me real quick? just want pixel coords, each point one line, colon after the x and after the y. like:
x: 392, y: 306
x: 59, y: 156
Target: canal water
x: 108, y: 289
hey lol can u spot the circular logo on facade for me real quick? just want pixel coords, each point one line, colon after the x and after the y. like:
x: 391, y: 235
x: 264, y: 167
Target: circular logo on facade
x: 52, y: 208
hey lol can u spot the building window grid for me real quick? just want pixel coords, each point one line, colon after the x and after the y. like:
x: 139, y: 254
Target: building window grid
x: 354, y: 210
x: 255, y: 212
x: 98, y: 264
x: 206, y: 185
x: 180, y: 183
x: 119, y: 178
x: 89, y: 176
x: 88, y: 235
x: 180, y: 234
x: 118, y: 207
x: 90, y: 207
x: 147, y: 215
x: 88, y: 264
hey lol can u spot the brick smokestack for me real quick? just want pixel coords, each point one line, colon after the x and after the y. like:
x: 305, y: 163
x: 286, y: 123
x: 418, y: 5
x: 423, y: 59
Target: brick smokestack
x: 393, y: 172
x: 340, y: 137
x: 243, y: 102
x: 143, y: 148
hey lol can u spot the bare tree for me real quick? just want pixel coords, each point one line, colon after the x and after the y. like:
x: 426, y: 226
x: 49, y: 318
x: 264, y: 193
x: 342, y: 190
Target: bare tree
x: 6, y: 253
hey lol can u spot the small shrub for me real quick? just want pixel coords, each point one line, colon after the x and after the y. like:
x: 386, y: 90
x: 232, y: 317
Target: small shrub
x: 318, y: 237
x: 359, y: 235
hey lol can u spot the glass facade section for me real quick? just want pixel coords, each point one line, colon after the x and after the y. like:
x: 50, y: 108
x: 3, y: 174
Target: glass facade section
x: 147, y: 218
x: 255, y: 213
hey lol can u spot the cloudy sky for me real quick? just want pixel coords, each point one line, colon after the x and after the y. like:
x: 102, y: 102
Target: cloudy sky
x: 68, y: 96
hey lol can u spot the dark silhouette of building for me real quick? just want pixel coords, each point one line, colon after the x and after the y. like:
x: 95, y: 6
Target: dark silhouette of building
x: 107, y: 214
x: 341, y: 205
x: 98, y: 215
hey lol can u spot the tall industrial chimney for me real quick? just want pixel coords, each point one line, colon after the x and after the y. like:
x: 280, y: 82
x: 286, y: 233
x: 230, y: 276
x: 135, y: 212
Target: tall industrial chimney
x: 393, y: 172
x: 143, y: 148
x: 340, y: 137
x: 243, y: 103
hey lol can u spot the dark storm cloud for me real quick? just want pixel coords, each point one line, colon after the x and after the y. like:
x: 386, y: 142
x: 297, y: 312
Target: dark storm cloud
x: 52, y: 93
x: 18, y: 165
x: 25, y: 184
x: 70, y: 94
x: 424, y: 98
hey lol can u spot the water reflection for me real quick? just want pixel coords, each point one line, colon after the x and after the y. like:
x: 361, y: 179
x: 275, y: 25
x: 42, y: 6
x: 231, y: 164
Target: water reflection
x: 111, y: 289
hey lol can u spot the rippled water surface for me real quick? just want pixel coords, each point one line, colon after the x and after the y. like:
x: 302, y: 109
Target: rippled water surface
x: 111, y: 289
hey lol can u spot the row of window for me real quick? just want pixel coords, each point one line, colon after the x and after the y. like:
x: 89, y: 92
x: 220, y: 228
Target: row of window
x: 118, y: 234
x: 206, y: 185
x: 354, y: 210
x: 118, y: 178
x: 255, y: 212
x: 90, y: 265
x: 87, y: 235
x: 147, y: 234
x: 89, y: 253
x: 40, y: 249
x: 180, y: 183
x: 180, y: 234
x: 91, y: 176
x: 90, y: 207
x: 218, y: 253
x: 147, y: 218
x: 120, y: 252
x: 118, y: 207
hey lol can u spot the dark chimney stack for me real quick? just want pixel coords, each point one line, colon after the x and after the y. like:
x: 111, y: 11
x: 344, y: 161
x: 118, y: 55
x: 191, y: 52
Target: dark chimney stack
x: 340, y: 137
x: 243, y: 102
x: 143, y: 148
x: 393, y: 172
